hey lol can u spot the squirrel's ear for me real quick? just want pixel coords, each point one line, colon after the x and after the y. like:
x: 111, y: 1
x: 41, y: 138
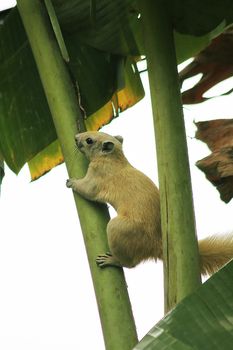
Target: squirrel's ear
x: 119, y: 138
x: 107, y: 146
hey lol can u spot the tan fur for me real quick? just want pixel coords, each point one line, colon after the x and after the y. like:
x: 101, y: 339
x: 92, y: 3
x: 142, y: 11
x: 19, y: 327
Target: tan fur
x: 215, y: 252
x: 134, y: 234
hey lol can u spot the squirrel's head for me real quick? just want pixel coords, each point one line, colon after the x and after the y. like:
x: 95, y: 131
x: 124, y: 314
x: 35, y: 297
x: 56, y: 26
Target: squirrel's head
x: 95, y: 144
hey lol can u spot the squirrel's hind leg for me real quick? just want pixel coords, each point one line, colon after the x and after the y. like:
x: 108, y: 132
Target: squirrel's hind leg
x: 104, y: 260
x: 126, y: 240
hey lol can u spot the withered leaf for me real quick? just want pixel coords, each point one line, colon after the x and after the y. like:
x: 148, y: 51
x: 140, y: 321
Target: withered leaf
x: 215, y: 63
x: 216, y: 133
x: 218, y: 166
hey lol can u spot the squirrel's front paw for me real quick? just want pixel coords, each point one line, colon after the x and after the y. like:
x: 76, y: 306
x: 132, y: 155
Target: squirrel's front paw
x: 70, y: 183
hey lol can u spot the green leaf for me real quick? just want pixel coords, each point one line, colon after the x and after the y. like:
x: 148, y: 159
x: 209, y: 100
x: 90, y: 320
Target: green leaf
x: 197, y: 17
x: 98, y: 36
x: 117, y: 24
x: 25, y: 121
x: 114, y: 26
x: 203, y: 320
x: 188, y: 45
x: 45, y: 160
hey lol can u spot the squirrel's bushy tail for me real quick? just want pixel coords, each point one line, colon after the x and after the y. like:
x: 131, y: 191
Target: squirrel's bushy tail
x: 215, y: 251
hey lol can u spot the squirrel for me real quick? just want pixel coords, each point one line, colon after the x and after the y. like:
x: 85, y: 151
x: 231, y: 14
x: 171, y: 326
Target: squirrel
x: 134, y: 235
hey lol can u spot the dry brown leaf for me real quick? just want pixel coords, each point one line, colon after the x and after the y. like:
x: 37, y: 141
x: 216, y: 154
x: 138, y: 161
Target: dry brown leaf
x: 216, y: 133
x: 215, y: 63
x: 218, y: 166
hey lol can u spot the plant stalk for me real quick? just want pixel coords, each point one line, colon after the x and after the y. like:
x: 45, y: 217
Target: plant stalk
x: 110, y: 287
x: 180, y: 248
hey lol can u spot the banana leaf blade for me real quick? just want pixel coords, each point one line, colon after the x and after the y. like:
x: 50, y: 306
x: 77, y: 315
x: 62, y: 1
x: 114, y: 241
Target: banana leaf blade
x: 203, y: 320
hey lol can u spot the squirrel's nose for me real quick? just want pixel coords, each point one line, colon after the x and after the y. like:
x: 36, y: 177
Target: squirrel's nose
x: 78, y: 141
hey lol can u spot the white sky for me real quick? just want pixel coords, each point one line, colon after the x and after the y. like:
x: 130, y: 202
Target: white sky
x: 46, y: 295
x: 6, y: 4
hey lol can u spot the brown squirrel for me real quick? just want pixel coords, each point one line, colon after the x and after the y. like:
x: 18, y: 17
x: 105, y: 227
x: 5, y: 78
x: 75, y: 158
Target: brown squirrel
x: 134, y: 235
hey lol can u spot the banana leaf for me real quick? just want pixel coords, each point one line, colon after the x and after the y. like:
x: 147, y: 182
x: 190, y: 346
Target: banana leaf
x: 203, y: 320
x: 107, y: 84
x: 103, y: 40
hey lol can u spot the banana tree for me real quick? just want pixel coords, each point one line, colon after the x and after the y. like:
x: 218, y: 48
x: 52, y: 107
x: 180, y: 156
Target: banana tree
x: 88, y: 76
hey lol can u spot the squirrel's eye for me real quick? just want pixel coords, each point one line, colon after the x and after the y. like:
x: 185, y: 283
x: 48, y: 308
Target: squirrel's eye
x: 89, y: 141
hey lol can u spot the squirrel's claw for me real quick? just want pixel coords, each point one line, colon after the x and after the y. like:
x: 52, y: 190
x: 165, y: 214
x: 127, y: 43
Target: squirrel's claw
x: 106, y: 259
x: 69, y: 183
